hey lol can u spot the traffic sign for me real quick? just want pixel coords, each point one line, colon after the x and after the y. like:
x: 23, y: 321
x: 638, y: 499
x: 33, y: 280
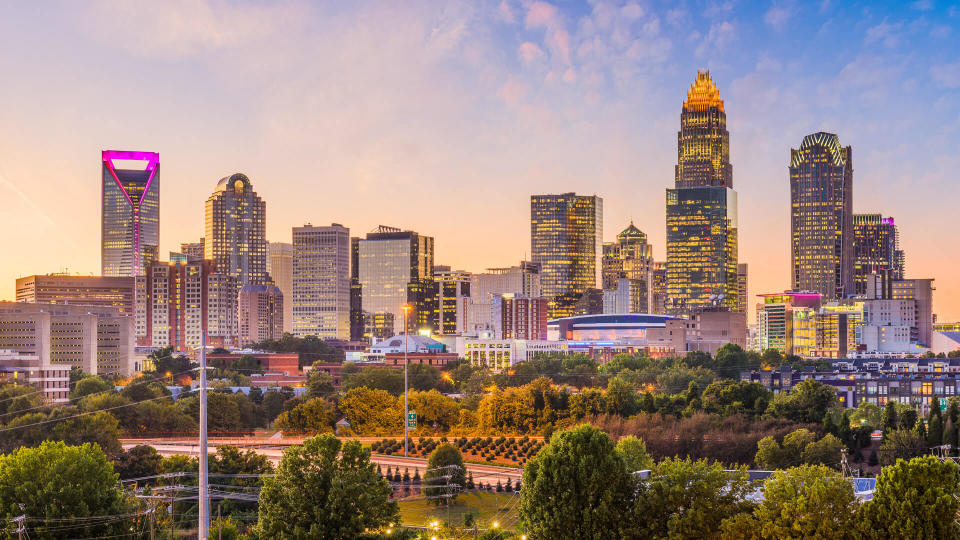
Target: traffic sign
x: 412, y: 420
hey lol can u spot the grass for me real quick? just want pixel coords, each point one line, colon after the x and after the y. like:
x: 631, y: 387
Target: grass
x: 486, y: 507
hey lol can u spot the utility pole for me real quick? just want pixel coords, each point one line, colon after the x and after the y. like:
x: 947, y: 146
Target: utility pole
x: 21, y: 528
x: 204, y: 501
x: 406, y: 438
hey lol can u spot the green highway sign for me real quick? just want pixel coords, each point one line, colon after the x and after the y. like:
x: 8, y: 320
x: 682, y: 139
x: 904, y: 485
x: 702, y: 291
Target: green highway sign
x: 412, y: 420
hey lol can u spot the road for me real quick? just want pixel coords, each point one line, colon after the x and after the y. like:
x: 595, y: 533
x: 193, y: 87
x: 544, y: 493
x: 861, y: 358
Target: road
x: 273, y: 451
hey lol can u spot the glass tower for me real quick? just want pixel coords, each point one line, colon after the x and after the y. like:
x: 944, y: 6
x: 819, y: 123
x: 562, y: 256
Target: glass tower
x: 821, y: 221
x: 702, y: 208
x: 321, y: 281
x: 876, y: 248
x: 130, y: 217
x: 630, y: 258
x: 566, y: 233
x: 235, y: 237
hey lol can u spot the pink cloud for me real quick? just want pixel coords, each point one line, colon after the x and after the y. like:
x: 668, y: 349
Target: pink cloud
x: 530, y: 52
x: 541, y: 14
x: 513, y: 91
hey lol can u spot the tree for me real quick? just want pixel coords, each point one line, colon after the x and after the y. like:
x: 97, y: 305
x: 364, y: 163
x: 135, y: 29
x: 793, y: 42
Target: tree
x: 621, y: 397
x: 325, y: 489
x: 914, y: 499
x: 273, y: 402
x: 90, y: 385
x: 810, y: 501
x: 935, y: 427
x: 320, y: 384
x: 63, y: 485
x: 242, y: 470
x: 313, y: 416
x: 634, y: 454
x: 806, y: 402
x: 444, y: 468
x: 587, y: 402
x: 223, y: 529
x: 386, y: 379
x: 576, y: 487
x: 902, y: 444
x: 433, y: 409
x: 889, y: 419
x: 728, y: 397
x: 137, y: 462
x: 826, y: 451
x: 689, y: 499
x: 770, y: 455
x: 371, y: 412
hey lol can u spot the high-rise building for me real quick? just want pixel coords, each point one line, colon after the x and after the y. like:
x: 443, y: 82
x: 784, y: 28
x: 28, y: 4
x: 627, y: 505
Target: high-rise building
x: 486, y: 288
x: 630, y: 257
x: 130, y: 212
x: 97, y: 339
x: 702, y: 208
x: 775, y: 318
x: 658, y: 291
x: 452, y: 301
x: 392, y: 268
x: 523, y: 317
x: 566, y: 233
x: 235, y: 237
x: 115, y: 292
x: 280, y: 268
x: 181, y: 301
x: 321, y: 281
x: 876, y: 249
x: 741, y: 288
x: 821, y: 221
x: 260, y: 313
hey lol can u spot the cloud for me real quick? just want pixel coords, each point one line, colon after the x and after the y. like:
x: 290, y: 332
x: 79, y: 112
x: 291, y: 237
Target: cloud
x: 922, y: 5
x: 542, y: 14
x: 720, y: 35
x: 946, y: 75
x: 505, y: 12
x: 778, y: 15
x: 885, y: 33
x: 514, y: 91
x: 530, y: 52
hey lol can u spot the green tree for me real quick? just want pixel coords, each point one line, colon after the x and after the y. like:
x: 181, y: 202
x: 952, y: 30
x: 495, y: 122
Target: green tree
x: 223, y: 529
x: 621, y: 397
x: 889, y: 420
x: 826, y: 451
x: 576, y: 487
x: 313, y: 416
x: 137, y: 462
x: 902, y: 444
x: 634, y: 453
x: 806, y: 402
x: 728, y: 397
x: 587, y: 402
x: 325, y: 489
x: 771, y: 455
x: 386, y: 379
x: 433, y: 409
x: 273, y: 402
x: 913, y: 499
x: 810, y: 501
x: 63, y: 485
x: 371, y: 412
x: 90, y: 385
x: 689, y: 499
x: 320, y: 384
x: 445, y: 469
x: 935, y: 427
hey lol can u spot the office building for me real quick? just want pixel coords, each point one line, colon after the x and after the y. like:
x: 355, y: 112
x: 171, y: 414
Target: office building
x: 189, y: 252
x: 53, y: 381
x: 630, y: 257
x: 876, y: 249
x: 452, y: 303
x: 260, y: 313
x: 130, y: 212
x: 523, y: 317
x: 99, y: 340
x: 321, y: 281
x: 658, y: 294
x: 280, y: 268
x: 702, y: 208
x: 392, y: 268
x: 821, y: 220
x: 182, y: 301
x: 907, y: 303
x: 775, y: 318
x: 566, y: 233
x: 487, y: 287
x: 742, y: 293
x: 235, y: 239
x: 115, y: 292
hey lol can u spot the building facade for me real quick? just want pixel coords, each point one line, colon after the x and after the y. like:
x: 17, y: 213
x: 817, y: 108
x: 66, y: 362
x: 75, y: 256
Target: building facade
x: 260, y: 313
x: 182, y: 301
x: 742, y: 288
x: 452, y: 304
x: 392, y: 268
x: 566, y: 233
x: 702, y: 208
x: 130, y: 213
x: 98, y: 340
x: 115, y: 292
x: 821, y: 218
x: 775, y: 318
x: 658, y: 294
x: 53, y: 381
x: 235, y: 240
x: 321, y: 281
x: 876, y: 249
x: 280, y: 268
x: 523, y: 317
x: 486, y: 289
x: 630, y: 257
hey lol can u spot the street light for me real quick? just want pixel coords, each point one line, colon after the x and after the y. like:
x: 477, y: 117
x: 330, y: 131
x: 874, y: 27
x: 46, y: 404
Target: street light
x: 406, y: 426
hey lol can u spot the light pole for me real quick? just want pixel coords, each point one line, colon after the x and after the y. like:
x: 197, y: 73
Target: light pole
x: 406, y: 439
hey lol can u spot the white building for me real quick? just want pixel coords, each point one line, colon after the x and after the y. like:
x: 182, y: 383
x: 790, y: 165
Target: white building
x: 321, y: 281
x: 486, y: 288
x: 498, y: 354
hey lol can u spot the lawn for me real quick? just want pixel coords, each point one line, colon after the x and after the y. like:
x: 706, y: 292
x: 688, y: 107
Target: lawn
x: 486, y: 507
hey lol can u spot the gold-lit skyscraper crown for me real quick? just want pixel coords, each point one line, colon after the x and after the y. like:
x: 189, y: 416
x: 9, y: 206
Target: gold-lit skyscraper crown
x: 703, y: 94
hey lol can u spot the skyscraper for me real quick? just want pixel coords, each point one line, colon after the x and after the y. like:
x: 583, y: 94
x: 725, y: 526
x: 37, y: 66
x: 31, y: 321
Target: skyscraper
x: 452, y: 300
x: 235, y: 231
x: 630, y: 257
x: 487, y: 288
x: 821, y: 221
x: 130, y: 213
x: 876, y: 248
x: 260, y: 310
x: 391, y: 268
x: 702, y: 208
x: 280, y: 268
x: 566, y: 236
x: 321, y: 281
x: 741, y: 288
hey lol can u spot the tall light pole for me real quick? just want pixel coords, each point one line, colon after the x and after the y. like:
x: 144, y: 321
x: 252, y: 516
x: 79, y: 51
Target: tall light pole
x: 406, y: 439
x: 204, y: 501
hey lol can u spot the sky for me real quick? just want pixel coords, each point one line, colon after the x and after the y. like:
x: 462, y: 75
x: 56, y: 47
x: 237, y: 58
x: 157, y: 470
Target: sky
x: 444, y: 118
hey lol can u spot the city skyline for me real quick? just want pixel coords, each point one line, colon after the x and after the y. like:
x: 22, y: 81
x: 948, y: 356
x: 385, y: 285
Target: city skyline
x: 547, y: 118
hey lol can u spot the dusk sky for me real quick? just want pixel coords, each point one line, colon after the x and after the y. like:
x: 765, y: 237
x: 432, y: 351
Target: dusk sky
x: 444, y: 118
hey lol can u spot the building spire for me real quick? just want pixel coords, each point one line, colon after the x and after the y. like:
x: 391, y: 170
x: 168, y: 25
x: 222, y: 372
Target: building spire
x: 703, y: 93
